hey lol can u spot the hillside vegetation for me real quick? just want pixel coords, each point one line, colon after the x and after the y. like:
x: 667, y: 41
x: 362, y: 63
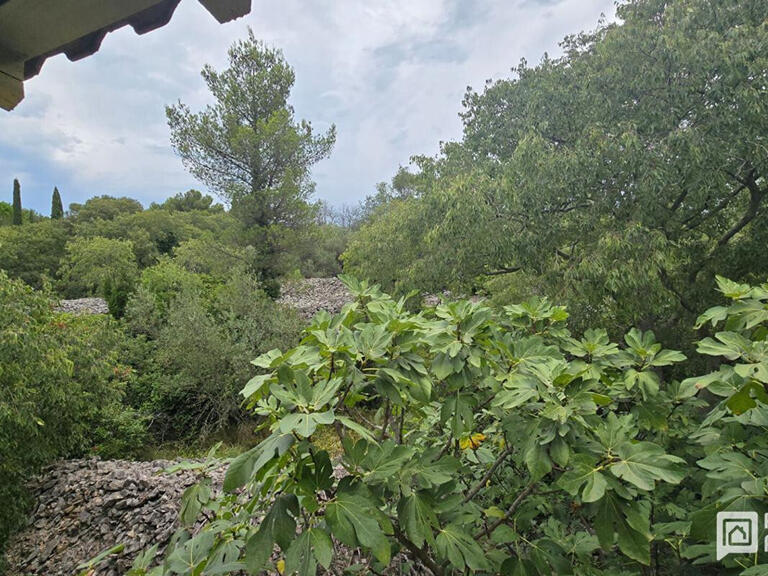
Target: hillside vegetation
x: 601, y: 396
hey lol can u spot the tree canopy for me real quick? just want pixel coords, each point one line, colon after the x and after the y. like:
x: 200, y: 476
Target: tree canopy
x: 57, y: 208
x: 617, y: 178
x: 247, y: 147
x: 16, y: 203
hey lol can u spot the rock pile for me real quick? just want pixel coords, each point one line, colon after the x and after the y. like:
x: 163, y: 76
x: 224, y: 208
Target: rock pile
x: 313, y: 294
x: 83, y: 306
x: 87, y: 506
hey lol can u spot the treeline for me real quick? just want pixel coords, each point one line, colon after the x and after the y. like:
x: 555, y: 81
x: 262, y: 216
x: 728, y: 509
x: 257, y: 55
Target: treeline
x: 615, y: 179
x: 101, y: 246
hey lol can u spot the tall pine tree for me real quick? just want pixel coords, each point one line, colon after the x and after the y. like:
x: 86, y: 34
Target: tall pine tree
x: 16, y: 202
x: 57, y: 209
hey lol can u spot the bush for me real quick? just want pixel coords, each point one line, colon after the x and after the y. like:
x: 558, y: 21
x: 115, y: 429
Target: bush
x: 199, y: 335
x: 91, y: 265
x: 501, y: 444
x: 166, y: 280
x: 103, y: 208
x: 32, y: 252
x: 61, y: 387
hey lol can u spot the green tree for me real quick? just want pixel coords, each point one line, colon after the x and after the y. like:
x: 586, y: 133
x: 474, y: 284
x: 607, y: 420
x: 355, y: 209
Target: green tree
x: 33, y: 252
x: 103, y: 208
x: 16, y: 203
x: 93, y: 265
x: 247, y: 147
x: 188, y: 201
x: 607, y: 178
x: 57, y: 209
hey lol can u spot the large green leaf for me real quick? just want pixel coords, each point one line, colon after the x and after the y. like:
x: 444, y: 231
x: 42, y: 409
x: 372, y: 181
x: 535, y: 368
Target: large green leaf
x: 643, y: 463
x: 353, y: 521
x: 304, y: 424
x: 629, y: 522
x: 456, y: 544
x: 245, y: 466
x: 258, y: 550
x: 417, y: 517
x: 299, y: 558
x: 584, y: 473
x: 280, y: 521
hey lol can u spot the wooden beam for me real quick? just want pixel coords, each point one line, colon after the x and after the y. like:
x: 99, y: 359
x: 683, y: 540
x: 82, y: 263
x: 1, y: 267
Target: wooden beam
x: 226, y: 10
x: 34, y: 27
x: 11, y: 91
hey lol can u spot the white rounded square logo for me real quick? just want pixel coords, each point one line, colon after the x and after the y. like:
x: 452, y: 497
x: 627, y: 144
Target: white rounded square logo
x: 736, y: 533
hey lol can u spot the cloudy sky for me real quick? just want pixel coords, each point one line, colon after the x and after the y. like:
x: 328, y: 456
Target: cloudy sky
x: 390, y: 74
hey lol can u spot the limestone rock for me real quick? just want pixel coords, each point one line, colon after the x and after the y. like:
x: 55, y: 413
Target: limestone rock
x: 86, y: 506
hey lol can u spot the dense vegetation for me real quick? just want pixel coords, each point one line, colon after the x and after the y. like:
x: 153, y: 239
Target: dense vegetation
x: 593, y: 199
x: 62, y: 389
x: 190, y: 286
x: 501, y: 443
x: 616, y: 179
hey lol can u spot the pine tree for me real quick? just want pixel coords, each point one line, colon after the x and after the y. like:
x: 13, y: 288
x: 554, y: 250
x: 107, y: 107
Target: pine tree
x: 57, y: 209
x: 16, y: 203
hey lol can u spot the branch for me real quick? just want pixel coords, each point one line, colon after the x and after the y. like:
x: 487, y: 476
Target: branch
x: 480, y: 485
x: 512, y: 509
x: 419, y: 553
x: 387, y: 417
x: 666, y: 281
x: 720, y: 206
x: 755, y: 197
x: 679, y: 200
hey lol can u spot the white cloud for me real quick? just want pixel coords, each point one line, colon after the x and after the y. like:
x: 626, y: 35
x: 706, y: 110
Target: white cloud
x: 391, y: 75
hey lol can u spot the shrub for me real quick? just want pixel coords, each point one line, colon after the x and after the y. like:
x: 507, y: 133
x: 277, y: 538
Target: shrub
x: 166, y: 280
x: 501, y: 444
x: 61, y: 386
x: 32, y: 252
x: 92, y: 264
x: 200, y: 335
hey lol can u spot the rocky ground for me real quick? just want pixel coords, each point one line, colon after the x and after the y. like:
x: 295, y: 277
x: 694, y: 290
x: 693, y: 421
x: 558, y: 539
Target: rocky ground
x: 87, y: 506
x: 313, y: 294
x: 307, y: 296
x: 84, y: 306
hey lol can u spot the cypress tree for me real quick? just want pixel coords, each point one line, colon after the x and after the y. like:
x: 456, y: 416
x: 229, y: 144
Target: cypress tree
x: 16, y: 203
x: 57, y: 209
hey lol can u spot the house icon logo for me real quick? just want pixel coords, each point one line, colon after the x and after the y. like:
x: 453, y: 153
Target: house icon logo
x: 736, y: 533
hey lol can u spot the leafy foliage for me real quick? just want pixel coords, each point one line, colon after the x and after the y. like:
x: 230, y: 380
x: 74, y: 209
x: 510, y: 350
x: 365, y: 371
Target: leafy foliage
x: 193, y: 336
x: 104, y: 208
x: 189, y: 201
x: 247, y: 146
x: 32, y: 252
x: 61, y: 390
x: 607, y: 179
x: 501, y: 444
x: 92, y: 265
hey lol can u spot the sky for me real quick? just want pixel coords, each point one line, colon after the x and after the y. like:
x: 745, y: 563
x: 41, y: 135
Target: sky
x: 389, y: 74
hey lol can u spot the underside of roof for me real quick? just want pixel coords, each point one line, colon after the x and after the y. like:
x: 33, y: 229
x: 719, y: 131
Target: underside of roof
x: 33, y: 30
